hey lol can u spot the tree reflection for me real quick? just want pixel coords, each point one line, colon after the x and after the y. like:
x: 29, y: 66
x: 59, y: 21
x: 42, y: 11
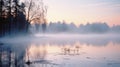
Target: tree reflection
x: 9, y: 57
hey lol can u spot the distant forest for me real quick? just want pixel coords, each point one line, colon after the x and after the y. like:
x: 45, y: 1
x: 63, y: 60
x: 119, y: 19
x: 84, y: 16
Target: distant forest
x: 89, y: 28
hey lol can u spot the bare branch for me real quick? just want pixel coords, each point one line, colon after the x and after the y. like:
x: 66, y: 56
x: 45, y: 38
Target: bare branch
x: 36, y: 11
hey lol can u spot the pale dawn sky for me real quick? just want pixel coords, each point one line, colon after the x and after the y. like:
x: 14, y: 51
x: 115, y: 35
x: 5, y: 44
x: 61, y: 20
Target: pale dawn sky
x: 83, y: 11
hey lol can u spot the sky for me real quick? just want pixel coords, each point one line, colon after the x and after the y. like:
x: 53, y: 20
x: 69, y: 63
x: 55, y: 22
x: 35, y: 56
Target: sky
x: 83, y: 11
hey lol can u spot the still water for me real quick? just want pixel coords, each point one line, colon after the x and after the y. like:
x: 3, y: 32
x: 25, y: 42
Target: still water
x: 49, y: 51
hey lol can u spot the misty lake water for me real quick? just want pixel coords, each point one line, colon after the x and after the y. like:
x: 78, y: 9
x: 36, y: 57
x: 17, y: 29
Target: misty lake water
x: 66, y: 50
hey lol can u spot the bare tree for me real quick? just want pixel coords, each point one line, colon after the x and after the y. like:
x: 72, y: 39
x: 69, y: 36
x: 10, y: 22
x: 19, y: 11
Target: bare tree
x: 35, y: 11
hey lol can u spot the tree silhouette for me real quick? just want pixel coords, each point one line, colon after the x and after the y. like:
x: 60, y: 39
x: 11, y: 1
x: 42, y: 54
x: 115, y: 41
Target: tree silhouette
x: 36, y: 11
x: 12, y: 18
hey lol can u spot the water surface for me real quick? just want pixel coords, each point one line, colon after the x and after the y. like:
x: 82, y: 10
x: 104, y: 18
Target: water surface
x: 72, y: 51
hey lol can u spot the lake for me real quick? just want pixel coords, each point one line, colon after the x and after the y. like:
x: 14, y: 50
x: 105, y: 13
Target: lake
x: 60, y: 51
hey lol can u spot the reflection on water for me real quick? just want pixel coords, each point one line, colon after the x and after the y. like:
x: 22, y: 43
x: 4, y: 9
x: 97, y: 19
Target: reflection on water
x: 61, y: 53
x: 10, y: 56
x: 76, y: 54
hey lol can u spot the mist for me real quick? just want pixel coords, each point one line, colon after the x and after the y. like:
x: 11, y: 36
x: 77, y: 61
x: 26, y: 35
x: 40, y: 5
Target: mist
x: 89, y: 28
x: 27, y: 39
x: 63, y: 38
x: 61, y: 32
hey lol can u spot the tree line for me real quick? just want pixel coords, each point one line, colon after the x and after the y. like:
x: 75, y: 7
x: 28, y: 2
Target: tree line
x: 89, y: 28
x: 12, y: 18
x: 16, y: 17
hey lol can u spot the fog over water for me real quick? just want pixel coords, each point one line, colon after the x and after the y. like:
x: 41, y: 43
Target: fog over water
x: 66, y: 50
x: 29, y: 39
x: 64, y: 37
